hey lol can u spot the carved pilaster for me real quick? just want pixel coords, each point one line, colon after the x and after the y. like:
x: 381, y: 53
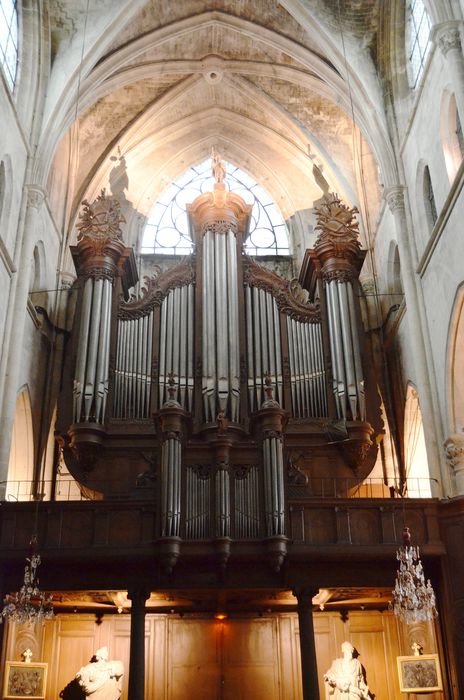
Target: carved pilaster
x: 337, y: 246
x: 454, y: 451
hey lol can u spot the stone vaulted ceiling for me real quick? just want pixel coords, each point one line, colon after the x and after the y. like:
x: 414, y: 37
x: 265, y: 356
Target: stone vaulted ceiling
x: 272, y: 85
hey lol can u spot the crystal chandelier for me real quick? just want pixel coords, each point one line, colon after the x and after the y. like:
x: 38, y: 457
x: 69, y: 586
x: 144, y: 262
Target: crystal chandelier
x: 29, y: 604
x: 413, y: 599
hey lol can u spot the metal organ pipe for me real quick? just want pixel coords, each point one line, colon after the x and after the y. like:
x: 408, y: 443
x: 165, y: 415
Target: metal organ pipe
x: 132, y: 381
x: 263, y: 343
x: 79, y: 379
x: 345, y: 350
x: 221, y: 361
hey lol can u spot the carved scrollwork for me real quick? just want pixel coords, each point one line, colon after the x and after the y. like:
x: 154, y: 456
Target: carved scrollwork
x: 202, y: 471
x: 338, y: 275
x: 157, y: 287
x: 99, y: 273
x: 290, y: 297
x: 336, y: 219
x: 100, y: 220
x: 339, y: 229
x: 241, y: 471
x: 221, y: 226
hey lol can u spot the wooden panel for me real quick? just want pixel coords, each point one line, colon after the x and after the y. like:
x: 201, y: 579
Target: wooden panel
x: 73, y: 644
x: 193, y: 669
x: 240, y: 658
x: 369, y: 635
x: 250, y: 659
x: 365, y: 526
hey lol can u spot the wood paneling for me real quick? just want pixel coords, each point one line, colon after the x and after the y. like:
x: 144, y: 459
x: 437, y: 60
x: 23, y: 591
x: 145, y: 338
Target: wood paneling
x: 188, y: 658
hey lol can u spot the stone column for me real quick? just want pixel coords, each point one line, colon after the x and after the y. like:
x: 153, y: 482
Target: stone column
x: 454, y: 451
x: 138, y: 597
x: 439, y: 473
x: 307, y: 644
x: 448, y: 38
x: 12, y: 353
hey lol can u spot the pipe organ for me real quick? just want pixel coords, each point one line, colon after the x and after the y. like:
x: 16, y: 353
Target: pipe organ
x: 240, y: 368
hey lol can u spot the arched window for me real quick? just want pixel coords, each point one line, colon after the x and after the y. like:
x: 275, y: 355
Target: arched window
x: 417, y: 39
x: 451, y: 135
x: 166, y: 231
x: 415, y: 455
x: 429, y: 199
x: 9, y: 40
x: 21, y: 464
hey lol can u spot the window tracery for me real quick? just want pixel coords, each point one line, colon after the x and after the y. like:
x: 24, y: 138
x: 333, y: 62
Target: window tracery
x: 9, y: 40
x: 167, y: 232
x: 417, y: 39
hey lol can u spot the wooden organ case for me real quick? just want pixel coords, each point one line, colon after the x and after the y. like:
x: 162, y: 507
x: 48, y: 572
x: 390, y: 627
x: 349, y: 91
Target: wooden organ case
x: 223, y: 389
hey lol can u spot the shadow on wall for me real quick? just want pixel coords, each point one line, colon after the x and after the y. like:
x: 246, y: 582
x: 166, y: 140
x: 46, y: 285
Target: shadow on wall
x: 73, y: 691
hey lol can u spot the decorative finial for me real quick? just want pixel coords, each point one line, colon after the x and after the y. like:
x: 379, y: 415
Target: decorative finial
x: 172, y: 386
x: 406, y: 537
x: 222, y: 422
x: 217, y: 167
x: 268, y: 390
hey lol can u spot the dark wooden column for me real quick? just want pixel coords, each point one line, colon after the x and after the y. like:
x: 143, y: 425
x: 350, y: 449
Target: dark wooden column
x: 138, y: 597
x: 307, y: 643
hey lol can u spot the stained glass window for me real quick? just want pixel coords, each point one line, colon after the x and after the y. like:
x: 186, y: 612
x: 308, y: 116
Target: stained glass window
x: 417, y: 39
x: 167, y: 228
x: 9, y: 40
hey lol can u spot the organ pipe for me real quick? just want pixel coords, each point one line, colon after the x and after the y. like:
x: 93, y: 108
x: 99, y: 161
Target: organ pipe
x: 221, y: 362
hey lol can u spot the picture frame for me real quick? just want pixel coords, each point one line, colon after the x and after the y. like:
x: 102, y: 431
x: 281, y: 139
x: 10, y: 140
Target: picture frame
x: 25, y: 681
x: 419, y: 674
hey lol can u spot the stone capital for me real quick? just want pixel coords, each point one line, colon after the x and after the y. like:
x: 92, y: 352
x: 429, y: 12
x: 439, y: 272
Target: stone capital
x: 454, y: 451
x: 35, y: 196
x: 447, y: 36
x: 395, y: 198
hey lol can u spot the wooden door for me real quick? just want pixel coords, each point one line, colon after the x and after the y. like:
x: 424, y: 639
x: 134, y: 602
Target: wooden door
x: 223, y: 660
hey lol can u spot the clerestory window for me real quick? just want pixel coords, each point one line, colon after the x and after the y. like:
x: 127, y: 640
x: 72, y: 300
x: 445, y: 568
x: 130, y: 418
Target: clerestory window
x: 417, y: 39
x: 9, y: 40
x: 167, y: 232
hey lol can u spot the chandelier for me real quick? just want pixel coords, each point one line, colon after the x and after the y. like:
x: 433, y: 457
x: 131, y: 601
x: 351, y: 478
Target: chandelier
x: 29, y: 604
x: 413, y: 599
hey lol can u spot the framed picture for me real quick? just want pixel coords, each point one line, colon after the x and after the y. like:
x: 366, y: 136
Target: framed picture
x: 25, y: 680
x: 419, y: 674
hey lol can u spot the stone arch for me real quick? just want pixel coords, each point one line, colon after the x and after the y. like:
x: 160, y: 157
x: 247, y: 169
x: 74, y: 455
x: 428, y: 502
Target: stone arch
x: 21, y: 461
x: 452, y: 140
